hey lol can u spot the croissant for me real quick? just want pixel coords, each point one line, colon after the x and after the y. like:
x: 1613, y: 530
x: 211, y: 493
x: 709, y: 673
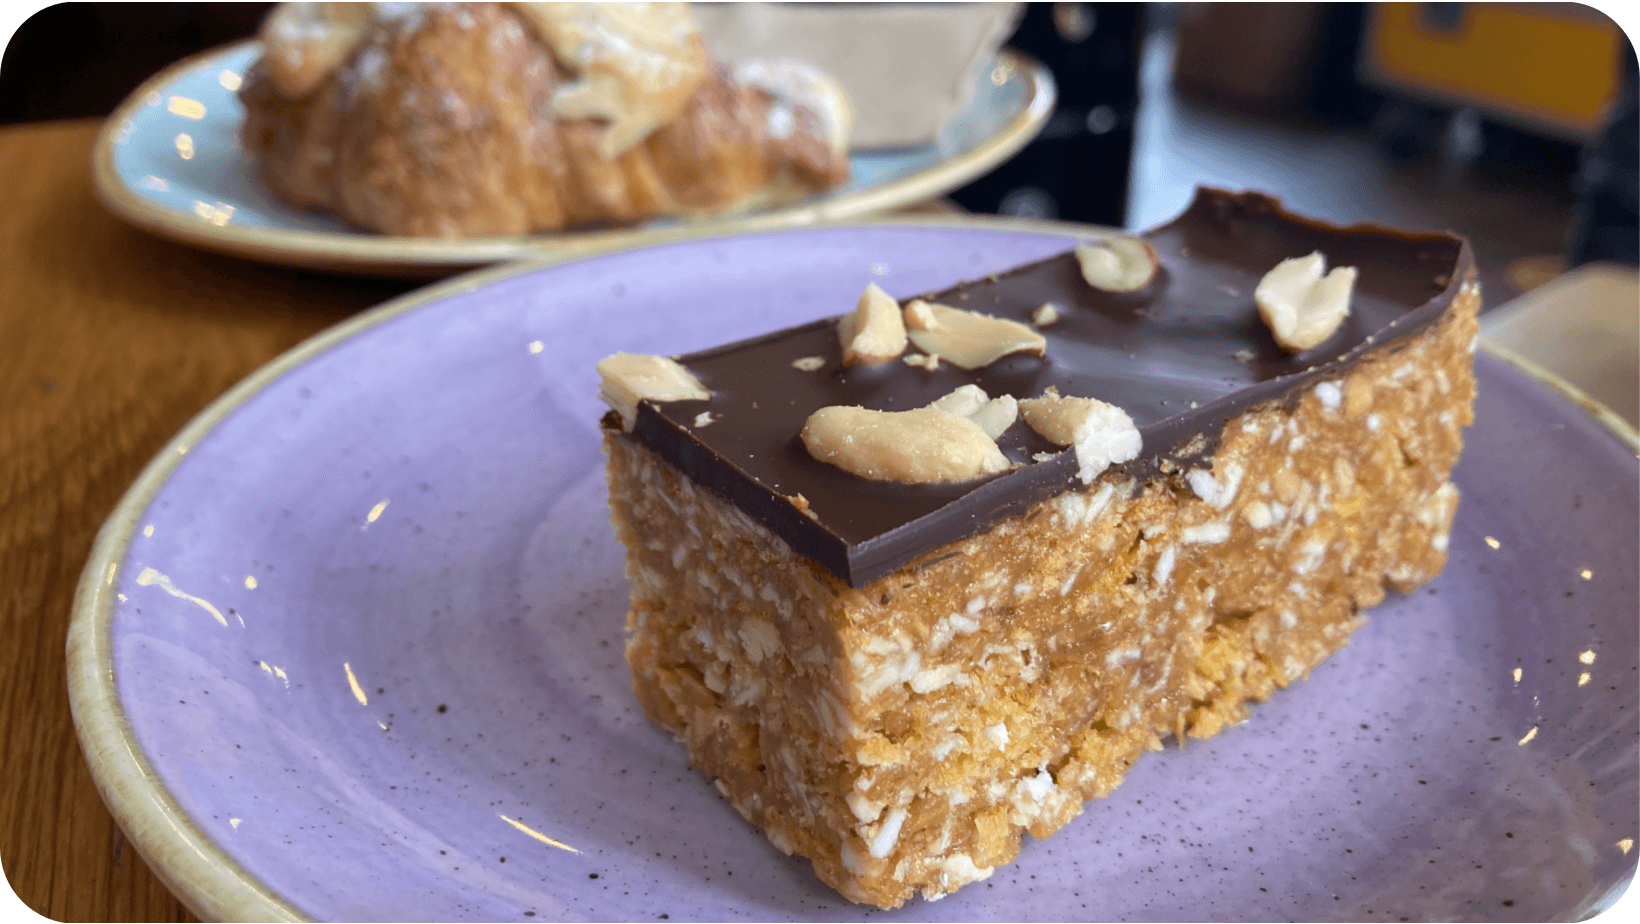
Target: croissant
x: 486, y: 119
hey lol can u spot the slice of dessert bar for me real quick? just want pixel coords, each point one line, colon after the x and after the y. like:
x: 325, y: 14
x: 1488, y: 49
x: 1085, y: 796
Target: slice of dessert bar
x: 913, y: 581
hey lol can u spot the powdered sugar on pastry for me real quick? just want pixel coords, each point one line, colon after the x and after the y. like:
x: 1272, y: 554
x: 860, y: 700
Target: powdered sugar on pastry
x: 635, y: 64
x: 796, y: 83
x: 303, y: 42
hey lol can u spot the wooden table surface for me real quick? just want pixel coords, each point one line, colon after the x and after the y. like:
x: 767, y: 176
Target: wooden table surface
x: 110, y: 341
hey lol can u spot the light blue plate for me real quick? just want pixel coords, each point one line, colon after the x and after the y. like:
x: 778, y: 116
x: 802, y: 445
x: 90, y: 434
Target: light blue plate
x: 170, y: 161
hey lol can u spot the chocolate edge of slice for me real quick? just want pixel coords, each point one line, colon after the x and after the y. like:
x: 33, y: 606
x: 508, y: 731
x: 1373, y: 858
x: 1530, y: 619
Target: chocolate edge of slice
x: 1170, y: 444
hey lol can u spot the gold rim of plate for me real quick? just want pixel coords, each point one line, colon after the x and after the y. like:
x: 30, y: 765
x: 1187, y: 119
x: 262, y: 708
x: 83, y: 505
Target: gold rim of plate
x: 366, y: 253
x: 196, y: 869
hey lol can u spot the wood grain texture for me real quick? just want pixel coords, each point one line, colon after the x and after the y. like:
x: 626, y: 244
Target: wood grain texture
x: 110, y: 341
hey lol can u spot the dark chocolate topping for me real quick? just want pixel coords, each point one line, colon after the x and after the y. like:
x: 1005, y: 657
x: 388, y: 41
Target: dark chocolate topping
x: 1181, y: 357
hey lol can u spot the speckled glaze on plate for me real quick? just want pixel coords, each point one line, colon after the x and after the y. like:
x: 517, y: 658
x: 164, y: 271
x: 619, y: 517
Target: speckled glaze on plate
x: 169, y: 161
x: 351, y: 648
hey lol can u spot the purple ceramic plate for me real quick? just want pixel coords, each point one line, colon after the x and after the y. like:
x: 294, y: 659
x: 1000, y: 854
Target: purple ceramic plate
x: 351, y: 649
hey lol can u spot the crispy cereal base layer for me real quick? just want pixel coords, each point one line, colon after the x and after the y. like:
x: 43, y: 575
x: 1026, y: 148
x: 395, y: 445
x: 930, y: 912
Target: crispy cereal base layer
x: 904, y: 735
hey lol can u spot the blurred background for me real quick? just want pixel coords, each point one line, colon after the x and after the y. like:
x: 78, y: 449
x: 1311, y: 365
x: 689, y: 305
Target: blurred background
x: 1513, y: 124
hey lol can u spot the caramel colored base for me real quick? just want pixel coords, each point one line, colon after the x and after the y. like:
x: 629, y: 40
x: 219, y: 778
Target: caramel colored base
x: 904, y: 735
